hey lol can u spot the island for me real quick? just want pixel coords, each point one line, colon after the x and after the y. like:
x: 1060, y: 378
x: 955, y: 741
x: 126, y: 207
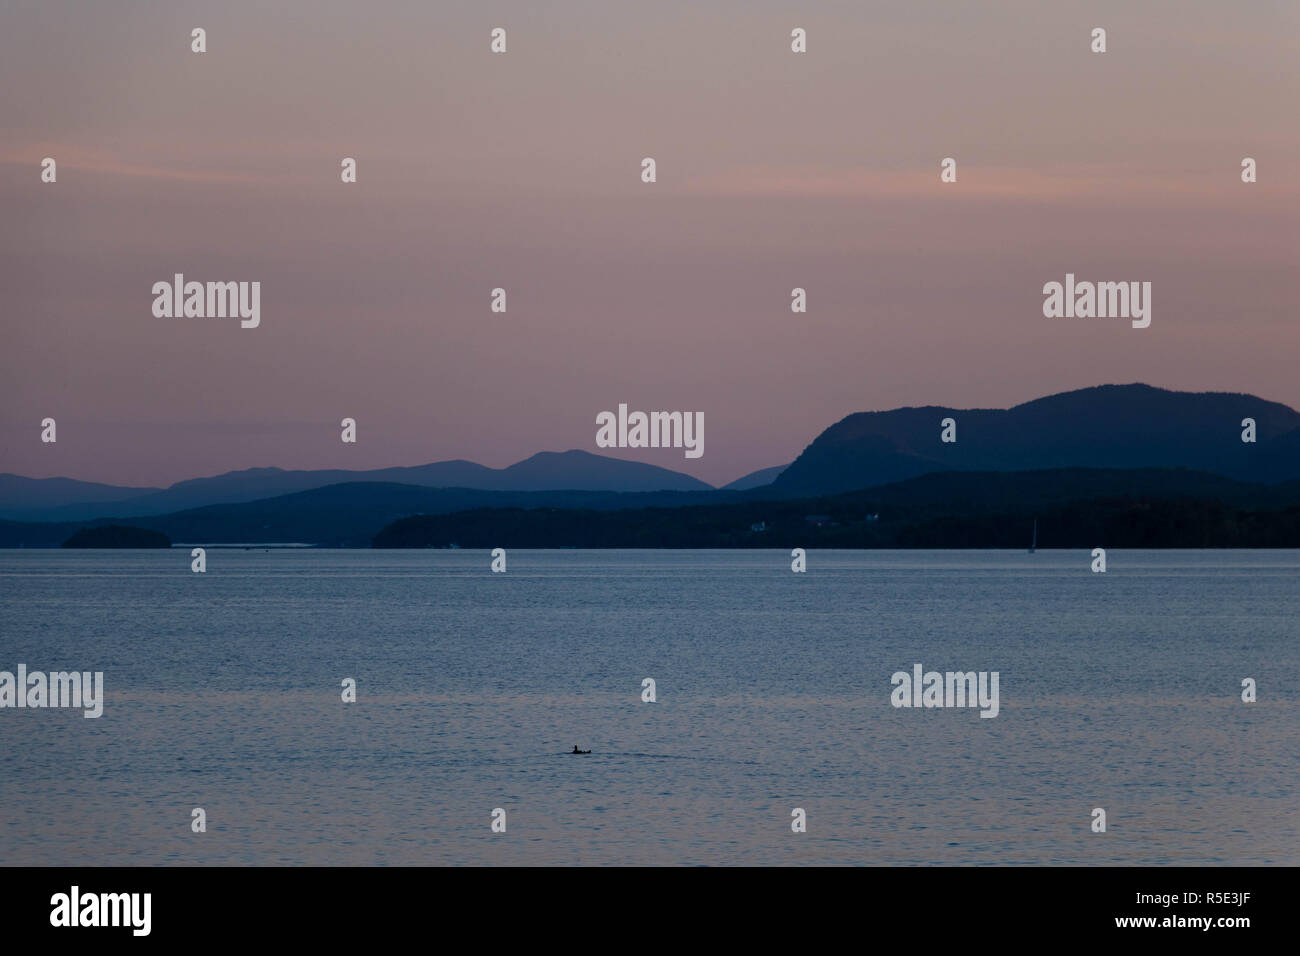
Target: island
x: 117, y: 536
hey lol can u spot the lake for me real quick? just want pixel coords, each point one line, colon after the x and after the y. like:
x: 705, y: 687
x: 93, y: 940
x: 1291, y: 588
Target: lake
x: 1119, y: 691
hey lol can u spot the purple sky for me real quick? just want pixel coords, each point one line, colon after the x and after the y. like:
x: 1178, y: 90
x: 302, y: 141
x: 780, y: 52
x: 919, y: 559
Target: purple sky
x: 521, y: 170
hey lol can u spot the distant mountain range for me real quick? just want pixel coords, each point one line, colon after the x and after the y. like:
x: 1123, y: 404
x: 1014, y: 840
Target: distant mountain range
x: 343, y: 515
x: 33, y: 497
x: 1182, y: 442
x: 62, y: 499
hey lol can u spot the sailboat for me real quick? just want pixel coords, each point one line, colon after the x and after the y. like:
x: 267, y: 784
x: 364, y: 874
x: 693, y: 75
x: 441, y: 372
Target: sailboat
x: 1033, y: 545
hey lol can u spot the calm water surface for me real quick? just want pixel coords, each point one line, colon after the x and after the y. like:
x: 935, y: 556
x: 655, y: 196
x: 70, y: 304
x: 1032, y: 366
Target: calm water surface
x: 1119, y: 691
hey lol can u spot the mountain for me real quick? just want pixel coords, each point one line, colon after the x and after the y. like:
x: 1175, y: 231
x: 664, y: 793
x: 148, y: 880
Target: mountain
x: 583, y: 471
x: 1109, y: 426
x: 755, y: 479
x: 18, y: 493
x: 61, y: 499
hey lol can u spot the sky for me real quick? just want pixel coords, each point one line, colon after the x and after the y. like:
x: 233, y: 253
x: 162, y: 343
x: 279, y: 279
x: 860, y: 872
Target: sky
x: 522, y: 171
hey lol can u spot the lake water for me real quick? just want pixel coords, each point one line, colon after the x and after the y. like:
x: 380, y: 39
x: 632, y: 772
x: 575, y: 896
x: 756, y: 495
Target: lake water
x: 1119, y: 690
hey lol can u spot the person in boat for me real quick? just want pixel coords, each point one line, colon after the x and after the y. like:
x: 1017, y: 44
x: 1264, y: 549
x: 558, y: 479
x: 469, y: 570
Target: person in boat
x: 577, y: 751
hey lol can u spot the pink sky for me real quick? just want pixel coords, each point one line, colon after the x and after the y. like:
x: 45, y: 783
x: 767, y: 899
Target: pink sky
x: 521, y: 170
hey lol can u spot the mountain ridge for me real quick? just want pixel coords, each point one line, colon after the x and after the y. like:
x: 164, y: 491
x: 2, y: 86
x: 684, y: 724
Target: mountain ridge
x: 544, y: 471
x: 1104, y: 426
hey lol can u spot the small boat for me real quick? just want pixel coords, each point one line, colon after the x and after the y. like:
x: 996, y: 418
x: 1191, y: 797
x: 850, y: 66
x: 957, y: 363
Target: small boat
x: 575, y: 750
x: 1033, y: 545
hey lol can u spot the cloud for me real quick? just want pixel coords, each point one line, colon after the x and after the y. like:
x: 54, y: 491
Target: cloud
x: 100, y: 162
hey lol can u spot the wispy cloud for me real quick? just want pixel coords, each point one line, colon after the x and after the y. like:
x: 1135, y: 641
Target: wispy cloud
x: 101, y: 162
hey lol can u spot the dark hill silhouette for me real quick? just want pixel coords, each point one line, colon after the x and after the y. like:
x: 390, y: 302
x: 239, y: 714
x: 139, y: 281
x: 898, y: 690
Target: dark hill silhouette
x: 117, y: 536
x: 1075, y: 508
x: 353, y: 514
x: 346, y: 514
x: 1110, y: 426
